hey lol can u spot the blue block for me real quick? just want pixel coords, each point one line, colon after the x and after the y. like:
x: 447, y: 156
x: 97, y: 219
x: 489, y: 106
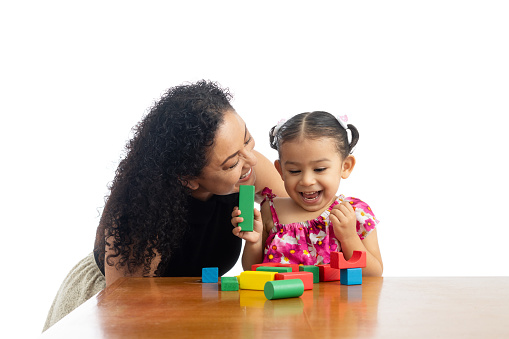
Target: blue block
x: 209, y: 275
x: 351, y: 276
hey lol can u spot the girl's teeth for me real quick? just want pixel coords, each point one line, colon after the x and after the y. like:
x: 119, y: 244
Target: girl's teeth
x: 310, y: 195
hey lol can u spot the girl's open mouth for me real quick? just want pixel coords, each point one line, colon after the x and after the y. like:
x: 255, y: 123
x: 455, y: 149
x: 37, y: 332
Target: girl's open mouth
x: 311, y: 197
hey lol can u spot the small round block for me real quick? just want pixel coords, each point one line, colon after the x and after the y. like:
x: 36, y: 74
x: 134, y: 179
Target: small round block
x: 280, y: 289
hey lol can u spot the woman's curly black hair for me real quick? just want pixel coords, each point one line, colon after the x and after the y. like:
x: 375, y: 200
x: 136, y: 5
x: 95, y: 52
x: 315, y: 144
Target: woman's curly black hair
x: 146, y: 211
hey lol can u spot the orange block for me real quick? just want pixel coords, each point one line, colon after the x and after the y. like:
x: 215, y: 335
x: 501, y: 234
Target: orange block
x: 358, y: 260
x: 306, y: 277
x: 327, y: 273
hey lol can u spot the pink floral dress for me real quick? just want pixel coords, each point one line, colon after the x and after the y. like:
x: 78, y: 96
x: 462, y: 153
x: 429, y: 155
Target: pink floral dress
x: 310, y: 242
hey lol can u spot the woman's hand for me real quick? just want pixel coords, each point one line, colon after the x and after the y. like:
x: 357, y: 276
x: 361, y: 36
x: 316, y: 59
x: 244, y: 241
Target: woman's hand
x: 344, y: 221
x: 252, y: 237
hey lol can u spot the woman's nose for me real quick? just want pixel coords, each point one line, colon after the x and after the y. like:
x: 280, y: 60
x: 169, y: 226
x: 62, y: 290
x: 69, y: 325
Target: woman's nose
x: 250, y: 157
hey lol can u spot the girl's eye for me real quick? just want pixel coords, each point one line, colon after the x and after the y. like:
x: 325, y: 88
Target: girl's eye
x: 293, y: 172
x: 320, y: 169
x: 235, y: 165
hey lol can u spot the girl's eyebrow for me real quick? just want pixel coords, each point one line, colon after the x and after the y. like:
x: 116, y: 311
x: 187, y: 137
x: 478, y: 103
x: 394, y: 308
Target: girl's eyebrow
x: 314, y: 161
x: 236, y: 153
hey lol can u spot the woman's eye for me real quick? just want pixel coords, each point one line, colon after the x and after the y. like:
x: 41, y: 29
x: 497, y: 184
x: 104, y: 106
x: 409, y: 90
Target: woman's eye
x: 248, y: 140
x: 235, y: 165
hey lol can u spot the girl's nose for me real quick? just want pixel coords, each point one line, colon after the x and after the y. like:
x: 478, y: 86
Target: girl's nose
x: 307, y: 178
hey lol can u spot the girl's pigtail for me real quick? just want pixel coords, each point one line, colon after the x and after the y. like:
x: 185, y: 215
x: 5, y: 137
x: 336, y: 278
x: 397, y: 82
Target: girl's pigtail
x: 273, y: 139
x: 355, y: 137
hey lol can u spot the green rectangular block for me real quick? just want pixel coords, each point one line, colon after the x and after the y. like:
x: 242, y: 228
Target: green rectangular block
x: 246, y: 206
x: 229, y: 284
x: 274, y: 269
x: 313, y: 269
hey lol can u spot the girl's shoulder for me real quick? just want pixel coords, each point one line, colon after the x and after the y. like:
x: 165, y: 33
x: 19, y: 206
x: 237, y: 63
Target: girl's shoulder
x: 356, y: 204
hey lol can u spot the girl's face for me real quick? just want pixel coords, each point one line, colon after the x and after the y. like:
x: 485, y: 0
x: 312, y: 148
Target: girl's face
x: 231, y: 160
x: 311, y: 170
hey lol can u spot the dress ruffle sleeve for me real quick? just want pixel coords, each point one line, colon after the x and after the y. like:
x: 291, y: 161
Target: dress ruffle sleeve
x: 366, y: 220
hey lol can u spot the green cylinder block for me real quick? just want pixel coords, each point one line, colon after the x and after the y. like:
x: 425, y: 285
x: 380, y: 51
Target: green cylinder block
x: 280, y: 289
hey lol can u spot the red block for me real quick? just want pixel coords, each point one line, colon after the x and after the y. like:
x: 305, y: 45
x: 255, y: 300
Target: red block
x: 269, y: 264
x: 358, y: 260
x: 327, y: 273
x: 306, y: 277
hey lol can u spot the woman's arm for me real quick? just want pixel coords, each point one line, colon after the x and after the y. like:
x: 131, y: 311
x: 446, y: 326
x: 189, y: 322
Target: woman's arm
x: 267, y: 176
x: 112, y: 272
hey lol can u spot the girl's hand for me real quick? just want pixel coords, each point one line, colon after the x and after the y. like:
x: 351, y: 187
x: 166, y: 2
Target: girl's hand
x: 252, y: 237
x: 343, y: 221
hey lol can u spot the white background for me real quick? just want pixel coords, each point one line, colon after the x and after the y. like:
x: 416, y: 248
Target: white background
x: 425, y: 82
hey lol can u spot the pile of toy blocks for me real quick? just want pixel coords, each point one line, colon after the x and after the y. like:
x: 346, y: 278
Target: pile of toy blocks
x: 290, y: 280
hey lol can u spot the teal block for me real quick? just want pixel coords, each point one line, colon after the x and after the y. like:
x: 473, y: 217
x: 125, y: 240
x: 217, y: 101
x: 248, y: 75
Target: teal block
x: 351, y: 276
x: 209, y: 275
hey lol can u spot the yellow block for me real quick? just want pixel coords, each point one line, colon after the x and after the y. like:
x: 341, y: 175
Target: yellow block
x: 255, y: 280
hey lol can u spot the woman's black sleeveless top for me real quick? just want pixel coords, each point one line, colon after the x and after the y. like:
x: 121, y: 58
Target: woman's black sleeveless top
x: 207, y: 242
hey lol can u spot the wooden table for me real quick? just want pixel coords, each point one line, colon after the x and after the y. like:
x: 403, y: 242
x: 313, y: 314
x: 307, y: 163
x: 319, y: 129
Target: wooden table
x: 379, y: 308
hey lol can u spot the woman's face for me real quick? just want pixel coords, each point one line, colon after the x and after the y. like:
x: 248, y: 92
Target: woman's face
x: 231, y: 160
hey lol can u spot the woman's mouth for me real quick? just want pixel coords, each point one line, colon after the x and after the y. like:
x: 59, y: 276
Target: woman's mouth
x: 245, y: 176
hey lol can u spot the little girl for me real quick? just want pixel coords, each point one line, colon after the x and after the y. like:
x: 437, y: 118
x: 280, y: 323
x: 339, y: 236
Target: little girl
x: 314, y: 155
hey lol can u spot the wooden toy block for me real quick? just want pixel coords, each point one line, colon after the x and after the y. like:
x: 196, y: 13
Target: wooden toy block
x: 358, y: 260
x: 280, y: 289
x: 276, y: 269
x: 209, y: 275
x: 351, y: 276
x: 246, y: 206
x: 255, y: 280
x: 295, y: 267
x: 306, y: 277
x: 313, y: 269
x: 266, y: 264
x: 328, y: 273
x: 229, y: 284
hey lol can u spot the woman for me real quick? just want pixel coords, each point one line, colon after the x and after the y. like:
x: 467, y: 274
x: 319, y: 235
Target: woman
x: 168, y: 213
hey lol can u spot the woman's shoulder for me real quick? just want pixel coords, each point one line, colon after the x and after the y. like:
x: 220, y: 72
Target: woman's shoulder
x: 268, y: 176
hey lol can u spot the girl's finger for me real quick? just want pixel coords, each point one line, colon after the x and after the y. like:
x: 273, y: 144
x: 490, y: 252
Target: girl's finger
x: 257, y: 215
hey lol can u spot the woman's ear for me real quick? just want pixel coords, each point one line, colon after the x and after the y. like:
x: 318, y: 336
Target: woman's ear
x: 277, y: 165
x: 347, y: 166
x: 191, y: 184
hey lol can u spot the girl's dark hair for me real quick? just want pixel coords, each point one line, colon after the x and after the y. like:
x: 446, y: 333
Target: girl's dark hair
x: 147, y: 208
x: 315, y: 125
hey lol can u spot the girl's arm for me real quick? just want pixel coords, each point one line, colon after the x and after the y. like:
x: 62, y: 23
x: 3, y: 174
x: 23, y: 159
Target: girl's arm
x: 267, y: 176
x: 344, y: 224
x: 253, y: 248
